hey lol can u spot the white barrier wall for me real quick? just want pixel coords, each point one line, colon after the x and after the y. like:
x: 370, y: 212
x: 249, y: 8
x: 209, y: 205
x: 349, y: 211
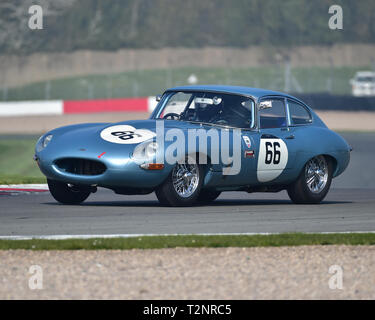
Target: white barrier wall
x: 59, y: 107
x: 151, y: 103
x: 22, y: 108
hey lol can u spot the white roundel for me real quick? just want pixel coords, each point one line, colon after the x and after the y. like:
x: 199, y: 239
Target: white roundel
x: 125, y: 134
x: 272, y: 160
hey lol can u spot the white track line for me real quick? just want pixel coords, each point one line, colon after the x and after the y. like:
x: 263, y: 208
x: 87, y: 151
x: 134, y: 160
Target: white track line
x: 110, y: 236
x: 25, y: 186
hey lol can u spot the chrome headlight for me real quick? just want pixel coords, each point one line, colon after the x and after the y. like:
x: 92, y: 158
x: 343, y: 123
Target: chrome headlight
x: 151, y: 149
x: 47, y: 139
x: 43, y: 142
x: 145, y: 152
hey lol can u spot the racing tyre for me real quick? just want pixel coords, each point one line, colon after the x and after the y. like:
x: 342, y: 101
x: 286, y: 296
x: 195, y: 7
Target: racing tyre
x: 182, y: 187
x: 66, y: 193
x: 208, y: 195
x: 313, y: 183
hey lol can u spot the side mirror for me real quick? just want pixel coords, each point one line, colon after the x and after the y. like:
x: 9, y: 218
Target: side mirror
x: 158, y: 98
x: 267, y: 104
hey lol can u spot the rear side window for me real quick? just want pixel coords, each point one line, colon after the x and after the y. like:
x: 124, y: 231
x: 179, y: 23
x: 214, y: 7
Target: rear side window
x: 298, y: 113
x: 273, y: 117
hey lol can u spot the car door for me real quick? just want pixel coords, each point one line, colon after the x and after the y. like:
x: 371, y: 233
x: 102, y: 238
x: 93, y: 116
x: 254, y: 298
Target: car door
x: 277, y: 147
x: 247, y: 154
x: 242, y: 147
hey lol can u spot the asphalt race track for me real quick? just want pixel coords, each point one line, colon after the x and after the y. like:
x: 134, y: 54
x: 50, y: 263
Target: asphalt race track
x: 350, y: 206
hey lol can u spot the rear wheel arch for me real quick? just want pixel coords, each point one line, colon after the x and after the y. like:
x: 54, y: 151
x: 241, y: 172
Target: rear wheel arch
x: 328, y: 157
x: 333, y: 161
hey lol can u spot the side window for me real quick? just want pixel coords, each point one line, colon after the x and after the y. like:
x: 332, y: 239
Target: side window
x: 298, y: 113
x: 273, y: 116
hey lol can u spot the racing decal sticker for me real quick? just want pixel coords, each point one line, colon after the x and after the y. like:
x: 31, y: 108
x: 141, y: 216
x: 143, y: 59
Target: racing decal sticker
x: 247, y: 141
x: 249, y: 154
x: 273, y: 158
x: 125, y: 134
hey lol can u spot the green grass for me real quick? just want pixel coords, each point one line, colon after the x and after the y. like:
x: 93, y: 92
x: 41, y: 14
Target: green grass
x: 4, y: 179
x: 192, y: 241
x: 16, y: 163
x: 152, y: 82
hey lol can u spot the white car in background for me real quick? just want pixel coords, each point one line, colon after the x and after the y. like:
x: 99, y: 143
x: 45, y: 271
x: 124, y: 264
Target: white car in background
x: 363, y: 84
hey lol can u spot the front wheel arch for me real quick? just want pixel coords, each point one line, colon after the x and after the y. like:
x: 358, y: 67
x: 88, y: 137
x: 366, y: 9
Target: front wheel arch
x: 205, y: 166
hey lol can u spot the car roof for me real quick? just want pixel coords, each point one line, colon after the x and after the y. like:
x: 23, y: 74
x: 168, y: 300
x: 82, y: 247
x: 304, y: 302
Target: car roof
x: 255, y: 93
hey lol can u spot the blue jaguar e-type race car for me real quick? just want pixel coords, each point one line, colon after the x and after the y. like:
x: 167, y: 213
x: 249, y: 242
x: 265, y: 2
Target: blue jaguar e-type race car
x: 198, y: 142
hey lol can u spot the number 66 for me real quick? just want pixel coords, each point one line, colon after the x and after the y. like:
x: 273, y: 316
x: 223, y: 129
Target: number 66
x: 273, y: 153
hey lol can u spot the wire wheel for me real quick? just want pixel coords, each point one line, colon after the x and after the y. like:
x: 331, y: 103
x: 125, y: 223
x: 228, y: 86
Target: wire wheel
x: 316, y: 173
x: 185, y: 179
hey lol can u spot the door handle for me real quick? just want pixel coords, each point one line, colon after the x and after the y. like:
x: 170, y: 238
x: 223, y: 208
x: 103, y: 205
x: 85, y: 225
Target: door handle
x: 290, y: 137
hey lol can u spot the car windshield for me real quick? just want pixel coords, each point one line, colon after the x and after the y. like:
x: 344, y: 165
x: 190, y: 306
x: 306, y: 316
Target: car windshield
x: 207, y: 107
